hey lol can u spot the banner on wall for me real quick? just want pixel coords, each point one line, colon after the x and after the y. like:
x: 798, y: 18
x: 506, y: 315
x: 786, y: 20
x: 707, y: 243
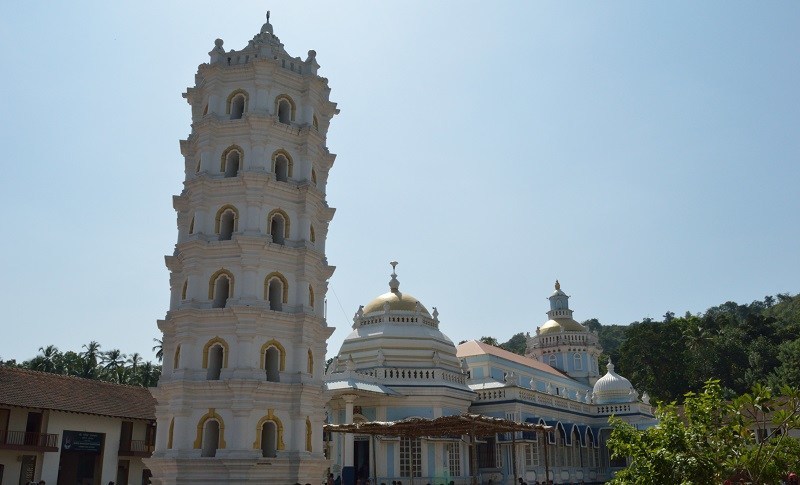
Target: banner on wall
x: 82, y: 441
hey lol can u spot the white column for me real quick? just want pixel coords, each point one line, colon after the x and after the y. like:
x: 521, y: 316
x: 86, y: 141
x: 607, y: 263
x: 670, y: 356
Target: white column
x: 347, y: 453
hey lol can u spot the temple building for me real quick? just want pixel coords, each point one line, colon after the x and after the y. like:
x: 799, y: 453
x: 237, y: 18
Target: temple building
x: 244, y: 392
x: 397, y: 363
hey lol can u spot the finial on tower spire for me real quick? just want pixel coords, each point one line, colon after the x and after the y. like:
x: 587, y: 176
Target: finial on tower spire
x: 558, y: 286
x: 394, y: 284
x: 267, y: 28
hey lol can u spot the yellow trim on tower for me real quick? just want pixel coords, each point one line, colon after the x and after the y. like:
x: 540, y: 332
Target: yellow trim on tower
x: 278, y: 429
x: 211, y: 343
x: 281, y: 351
x: 211, y: 414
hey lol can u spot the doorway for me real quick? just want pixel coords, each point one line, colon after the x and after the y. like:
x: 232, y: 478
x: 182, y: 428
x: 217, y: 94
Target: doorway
x: 361, y: 458
x: 81, y: 460
x: 122, y: 472
x: 27, y: 469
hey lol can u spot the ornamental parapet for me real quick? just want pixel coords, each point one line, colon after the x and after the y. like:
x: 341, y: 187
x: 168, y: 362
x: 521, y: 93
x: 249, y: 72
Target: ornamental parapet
x: 401, y: 319
x: 388, y: 375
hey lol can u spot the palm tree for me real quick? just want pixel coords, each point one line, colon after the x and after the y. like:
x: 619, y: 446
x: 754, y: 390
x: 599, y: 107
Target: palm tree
x: 134, y: 360
x: 158, y: 348
x: 149, y: 374
x: 114, y: 365
x: 46, y: 362
x: 90, y: 359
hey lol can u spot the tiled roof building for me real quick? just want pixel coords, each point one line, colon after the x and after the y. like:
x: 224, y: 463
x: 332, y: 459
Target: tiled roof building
x: 65, y: 429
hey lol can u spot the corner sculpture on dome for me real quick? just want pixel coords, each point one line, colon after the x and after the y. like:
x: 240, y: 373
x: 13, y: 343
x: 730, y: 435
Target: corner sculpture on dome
x: 558, y: 286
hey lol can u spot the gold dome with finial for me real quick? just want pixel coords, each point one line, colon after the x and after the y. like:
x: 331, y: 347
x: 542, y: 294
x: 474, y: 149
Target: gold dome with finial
x: 397, y: 300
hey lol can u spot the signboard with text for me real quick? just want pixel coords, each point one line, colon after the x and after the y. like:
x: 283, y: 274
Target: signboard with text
x: 82, y: 441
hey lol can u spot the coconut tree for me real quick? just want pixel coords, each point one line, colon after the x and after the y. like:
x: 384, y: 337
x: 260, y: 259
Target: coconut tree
x: 134, y: 361
x: 158, y: 348
x: 114, y: 365
x: 90, y: 357
x: 46, y: 361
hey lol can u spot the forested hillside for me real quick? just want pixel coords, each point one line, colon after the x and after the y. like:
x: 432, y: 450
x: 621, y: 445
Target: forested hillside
x: 738, y: 344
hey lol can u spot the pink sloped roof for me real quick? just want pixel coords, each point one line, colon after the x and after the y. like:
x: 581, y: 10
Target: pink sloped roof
x: 473, y: 347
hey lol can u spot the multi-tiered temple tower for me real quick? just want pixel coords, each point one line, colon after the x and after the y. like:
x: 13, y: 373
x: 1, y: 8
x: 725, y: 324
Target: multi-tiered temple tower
x: 241, y: 398
x: 564, y: 343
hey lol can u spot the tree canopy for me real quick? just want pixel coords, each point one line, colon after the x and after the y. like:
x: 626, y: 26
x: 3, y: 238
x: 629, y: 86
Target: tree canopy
x: 710, y: 439
x: 93, y: 363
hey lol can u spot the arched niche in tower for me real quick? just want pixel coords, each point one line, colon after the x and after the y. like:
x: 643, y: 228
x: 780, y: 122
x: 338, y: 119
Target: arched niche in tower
x: 232, y: 161
x: 210, y: 434
x: 237, y: 104
x: 269, y: 435
x: 220, y: 288
x: 273, y: 360
x: 226, y: 222
x: 282, y: 165
x: 276, y: 291
x: 278, y: 224
x: 176, y: 359
x: 285, y: 109
x: 215, y: 358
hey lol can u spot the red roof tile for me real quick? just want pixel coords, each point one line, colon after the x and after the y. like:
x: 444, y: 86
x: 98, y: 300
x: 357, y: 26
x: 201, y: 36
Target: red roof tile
x: 32, y: 389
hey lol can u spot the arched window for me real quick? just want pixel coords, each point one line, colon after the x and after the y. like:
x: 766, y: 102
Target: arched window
x: 314, y: 122
x: 176, y: 360
x: 205, y: 110
x: 226, y: 222
x: 210, y: 434
x: 314, y: 177
x: 215, y: 355
x: 184, y: 288
x: 170, y: 433
x: 285, y: 108
x: 278, y: 224
x: 282, y: 165
x: 577, y: 361
x: 232, y: 159
x: 576, y: 448
x: 197, y: 167
x: 269, y: 440
x: 552, y: 360
x: 191, y: 226
x: 310, y: 363
x: 273, y: 360
x: 561, y: 446
x: 276, y: 291
x: 220, y: 288
x: 310, y: 296
x: 312, y: 235
x: 308, y: 434
x: 215, y: 358
x: 210, y: 438
x: 269, y: 435
x: 237, y: 104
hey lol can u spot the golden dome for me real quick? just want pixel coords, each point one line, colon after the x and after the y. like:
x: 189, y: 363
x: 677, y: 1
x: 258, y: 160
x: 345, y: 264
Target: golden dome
x: 397, y: 301
x: 561, y: 324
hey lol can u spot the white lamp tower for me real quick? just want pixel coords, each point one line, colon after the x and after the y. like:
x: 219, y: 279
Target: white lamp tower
x: 241, y: 398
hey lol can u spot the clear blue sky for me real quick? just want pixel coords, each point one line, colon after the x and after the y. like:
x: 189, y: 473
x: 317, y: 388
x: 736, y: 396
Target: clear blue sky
x: 644, y: 153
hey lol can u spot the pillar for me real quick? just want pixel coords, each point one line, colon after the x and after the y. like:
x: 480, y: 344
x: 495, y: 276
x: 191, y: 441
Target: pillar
x: 348, y: 470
